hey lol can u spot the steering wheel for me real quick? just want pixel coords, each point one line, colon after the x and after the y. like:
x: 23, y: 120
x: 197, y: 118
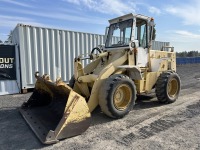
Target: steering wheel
x: 97, y: 49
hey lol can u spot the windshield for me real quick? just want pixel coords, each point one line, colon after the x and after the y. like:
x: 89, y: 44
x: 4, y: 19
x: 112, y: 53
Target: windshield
x: 119, y: 34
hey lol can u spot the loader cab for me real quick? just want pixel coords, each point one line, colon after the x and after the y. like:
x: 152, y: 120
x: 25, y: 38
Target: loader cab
x: 131, y: 31
x: 119, y: 34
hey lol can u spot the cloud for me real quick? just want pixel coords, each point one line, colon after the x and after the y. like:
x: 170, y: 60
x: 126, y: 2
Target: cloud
x: 154, y: 10
x: 12, y: 21
x: 187, y: 34
x: 181, y: 36
x: 16, y: 3
x: 61, y: 16
x: 117, y: 7
x: 77, y: 2
x: 189, y: 12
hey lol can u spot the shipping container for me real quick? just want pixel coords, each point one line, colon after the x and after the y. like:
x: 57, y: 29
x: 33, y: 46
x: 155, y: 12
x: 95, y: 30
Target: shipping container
x: 158, y: 45
x: 52, y: 51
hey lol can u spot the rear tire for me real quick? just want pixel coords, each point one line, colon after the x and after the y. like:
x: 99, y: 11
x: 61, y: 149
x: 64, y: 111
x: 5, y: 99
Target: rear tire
x: 117, y: 96
x: 168, y: 87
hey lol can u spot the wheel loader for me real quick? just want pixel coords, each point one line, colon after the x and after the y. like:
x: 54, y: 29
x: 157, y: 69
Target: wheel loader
x: 126, y: 66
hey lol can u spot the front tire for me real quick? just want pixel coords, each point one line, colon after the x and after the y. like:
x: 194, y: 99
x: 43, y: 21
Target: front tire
x: 117, y: 96
x: 168, y: 87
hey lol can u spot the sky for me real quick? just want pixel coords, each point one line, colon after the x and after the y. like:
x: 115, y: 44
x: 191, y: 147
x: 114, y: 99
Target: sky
x: 177, y: 21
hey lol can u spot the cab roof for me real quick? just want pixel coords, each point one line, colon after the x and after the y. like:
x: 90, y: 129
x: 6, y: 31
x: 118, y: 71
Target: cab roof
x: 128, y: 16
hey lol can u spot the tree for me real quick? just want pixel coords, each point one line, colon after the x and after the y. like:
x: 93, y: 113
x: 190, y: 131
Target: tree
x: 188, y: 54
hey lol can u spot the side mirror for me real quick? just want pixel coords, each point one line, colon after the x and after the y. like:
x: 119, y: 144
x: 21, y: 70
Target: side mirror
x: 135, y: 44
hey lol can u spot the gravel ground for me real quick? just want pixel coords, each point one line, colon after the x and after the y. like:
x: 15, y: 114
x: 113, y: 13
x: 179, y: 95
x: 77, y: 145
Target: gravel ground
x: 149, y: 125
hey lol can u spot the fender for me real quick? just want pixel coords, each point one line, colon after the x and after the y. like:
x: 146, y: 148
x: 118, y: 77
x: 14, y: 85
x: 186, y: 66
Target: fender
x: 134, y: 71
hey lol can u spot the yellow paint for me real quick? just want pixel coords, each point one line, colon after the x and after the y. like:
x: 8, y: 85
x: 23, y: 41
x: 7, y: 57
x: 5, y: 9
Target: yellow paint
x: 76, y: 111
x: 88, y: 78
x: 151, y: 79
x: 140, y: 85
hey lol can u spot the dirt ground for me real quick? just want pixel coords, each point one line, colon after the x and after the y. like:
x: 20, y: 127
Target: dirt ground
x: 149, y: 125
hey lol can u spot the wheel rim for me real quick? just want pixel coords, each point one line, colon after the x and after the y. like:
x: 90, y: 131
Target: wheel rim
x: 122, y: 97
x: 172, y: 88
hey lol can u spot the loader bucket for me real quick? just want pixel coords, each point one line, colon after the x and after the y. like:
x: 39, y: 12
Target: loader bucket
x: 54, y: 111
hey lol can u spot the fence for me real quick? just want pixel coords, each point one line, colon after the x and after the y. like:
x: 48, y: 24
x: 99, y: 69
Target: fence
x: 187, y: 60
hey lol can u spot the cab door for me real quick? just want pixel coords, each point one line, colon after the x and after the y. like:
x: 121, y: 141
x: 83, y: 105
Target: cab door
x: 141, y: 36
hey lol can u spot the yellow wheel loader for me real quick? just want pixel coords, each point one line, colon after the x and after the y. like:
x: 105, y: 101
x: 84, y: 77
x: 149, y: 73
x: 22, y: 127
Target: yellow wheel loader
x: 124, y: 67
